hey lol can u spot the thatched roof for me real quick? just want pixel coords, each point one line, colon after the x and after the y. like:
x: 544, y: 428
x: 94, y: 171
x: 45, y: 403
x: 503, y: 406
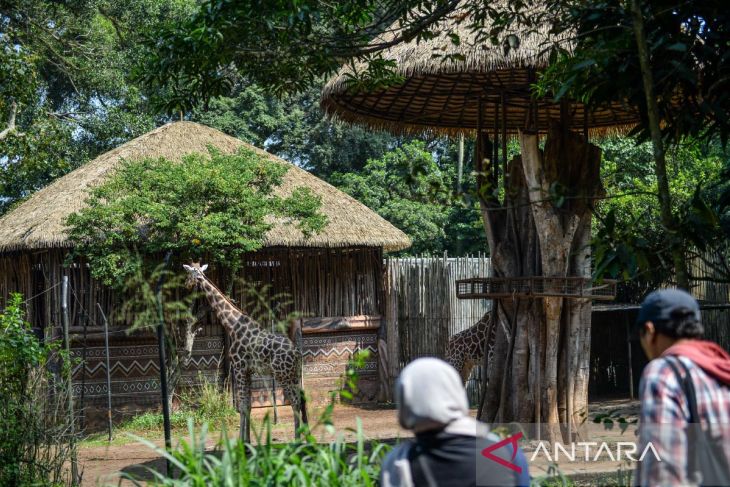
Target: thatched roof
x: 39, y: 222
x: 441, y: 94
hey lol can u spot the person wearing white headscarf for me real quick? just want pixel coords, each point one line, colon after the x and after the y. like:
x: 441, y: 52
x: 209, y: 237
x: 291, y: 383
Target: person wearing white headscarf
x: 448, y: 442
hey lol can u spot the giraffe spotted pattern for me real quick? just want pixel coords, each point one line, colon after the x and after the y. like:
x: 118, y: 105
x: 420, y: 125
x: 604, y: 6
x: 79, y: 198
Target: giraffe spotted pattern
x: 466, y: 349
x: 253, y: 350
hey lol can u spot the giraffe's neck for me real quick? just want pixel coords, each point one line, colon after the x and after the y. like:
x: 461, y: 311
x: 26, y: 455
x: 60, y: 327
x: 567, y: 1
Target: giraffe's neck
x: 228, y: 314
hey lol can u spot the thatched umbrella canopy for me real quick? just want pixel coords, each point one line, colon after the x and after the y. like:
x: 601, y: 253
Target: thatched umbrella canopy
x: 539, y: 368
x: 440, y: 95
x: 39, y: 222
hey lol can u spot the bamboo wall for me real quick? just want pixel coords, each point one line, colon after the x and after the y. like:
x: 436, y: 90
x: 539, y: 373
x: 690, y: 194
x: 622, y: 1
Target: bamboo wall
x: 345, y: 283
x: 617, y: 364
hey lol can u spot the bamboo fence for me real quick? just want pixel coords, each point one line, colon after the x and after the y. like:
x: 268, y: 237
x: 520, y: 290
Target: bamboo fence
x: 423, y: 311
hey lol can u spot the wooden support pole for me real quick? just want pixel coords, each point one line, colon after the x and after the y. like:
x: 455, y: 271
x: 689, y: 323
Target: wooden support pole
x: 108, y: 373
x: 494, y: 163
x: 163, y: 364
x: 460, y: 165
x: 478, y: 146
x: 504, y: 141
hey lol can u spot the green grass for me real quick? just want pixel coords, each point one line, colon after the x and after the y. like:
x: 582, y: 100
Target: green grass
x: 204, y: 404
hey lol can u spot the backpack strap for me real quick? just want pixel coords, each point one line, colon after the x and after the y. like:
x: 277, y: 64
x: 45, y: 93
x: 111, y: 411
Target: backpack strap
x: 427, y: 472
x: 688, y: 390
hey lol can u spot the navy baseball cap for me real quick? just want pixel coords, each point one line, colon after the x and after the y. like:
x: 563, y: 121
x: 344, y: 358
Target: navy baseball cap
x: 659, y: 306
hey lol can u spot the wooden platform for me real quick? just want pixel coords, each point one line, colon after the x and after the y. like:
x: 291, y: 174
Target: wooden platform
x: 535, y: 287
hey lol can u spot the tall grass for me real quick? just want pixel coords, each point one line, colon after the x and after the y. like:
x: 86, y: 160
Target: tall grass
x: 304, y: 462
x: 206, y: 403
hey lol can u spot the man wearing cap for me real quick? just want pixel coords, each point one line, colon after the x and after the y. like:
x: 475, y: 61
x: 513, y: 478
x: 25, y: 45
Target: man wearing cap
x: 684, y: 393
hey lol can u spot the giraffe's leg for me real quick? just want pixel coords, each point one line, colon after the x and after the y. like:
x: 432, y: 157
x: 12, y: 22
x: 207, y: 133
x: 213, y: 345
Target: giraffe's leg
x: 293, y: 393
x: 457, y: 361
x: 243, y: 389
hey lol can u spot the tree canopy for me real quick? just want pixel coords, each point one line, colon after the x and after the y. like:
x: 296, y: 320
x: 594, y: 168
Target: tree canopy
x: 295, y: 128
x: 410, y: 189
x: 218, y: 206
x: 66, y: 92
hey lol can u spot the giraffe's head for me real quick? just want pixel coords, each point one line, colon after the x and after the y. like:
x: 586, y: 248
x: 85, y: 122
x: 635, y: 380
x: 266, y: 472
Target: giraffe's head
x: 195, y: 274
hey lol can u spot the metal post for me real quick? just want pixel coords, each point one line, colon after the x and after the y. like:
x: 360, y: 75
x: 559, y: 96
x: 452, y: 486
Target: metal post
x: 69, y: 373
x: 108, y: 372
x: 628, y: 342
x: 163, y: 367
x: 273, y: 386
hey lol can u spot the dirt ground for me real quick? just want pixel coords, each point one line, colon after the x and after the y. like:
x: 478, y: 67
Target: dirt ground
x: 102, y: 464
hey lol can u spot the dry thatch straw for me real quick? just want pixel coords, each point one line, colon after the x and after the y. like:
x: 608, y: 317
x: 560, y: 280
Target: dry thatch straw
x: 39, y: 222
x: 440, y: 94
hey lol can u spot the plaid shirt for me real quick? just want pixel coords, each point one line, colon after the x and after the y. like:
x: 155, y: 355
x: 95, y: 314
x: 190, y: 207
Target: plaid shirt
x: 665, y: 415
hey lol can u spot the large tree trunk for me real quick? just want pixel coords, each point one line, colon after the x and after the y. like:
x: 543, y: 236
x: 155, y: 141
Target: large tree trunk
x: 540, y: 369
x: 181, y: 350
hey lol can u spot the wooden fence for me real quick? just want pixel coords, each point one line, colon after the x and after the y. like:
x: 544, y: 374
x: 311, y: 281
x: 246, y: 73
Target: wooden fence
x: 422, y: 310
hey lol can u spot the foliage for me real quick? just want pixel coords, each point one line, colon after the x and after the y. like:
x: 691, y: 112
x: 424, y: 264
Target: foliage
x: 205, y: 403
x: 64, y: 75
x: 217, y: 206
x: 285, y: 46
x: 689, y: 39
x: 149, y: 421
x: 630, y: 241
x: 208, y: 402
x: 294, y: 128
x: 34, y: 438
x: 413, y: 191
x: 304, y: 462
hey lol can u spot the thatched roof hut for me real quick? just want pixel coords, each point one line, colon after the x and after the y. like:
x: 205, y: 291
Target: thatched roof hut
x: 440, y: 94
x: 334, y: 279
x: 39, y: 222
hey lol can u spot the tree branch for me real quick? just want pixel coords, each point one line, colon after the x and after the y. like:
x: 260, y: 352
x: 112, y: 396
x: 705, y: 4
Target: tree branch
x: 11, y: 129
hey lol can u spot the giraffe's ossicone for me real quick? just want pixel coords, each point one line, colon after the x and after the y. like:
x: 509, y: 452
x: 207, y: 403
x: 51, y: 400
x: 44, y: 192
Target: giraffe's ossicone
x: 253, y: 350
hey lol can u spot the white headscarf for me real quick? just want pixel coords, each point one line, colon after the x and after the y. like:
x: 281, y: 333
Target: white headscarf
x: 430, y: 397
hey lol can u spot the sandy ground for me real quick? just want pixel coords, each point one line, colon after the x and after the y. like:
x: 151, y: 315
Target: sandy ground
x: 102, y: 464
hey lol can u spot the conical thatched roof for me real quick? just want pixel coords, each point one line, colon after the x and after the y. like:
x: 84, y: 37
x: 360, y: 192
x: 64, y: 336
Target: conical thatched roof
x: 39, y: 222
x: 441, y: 94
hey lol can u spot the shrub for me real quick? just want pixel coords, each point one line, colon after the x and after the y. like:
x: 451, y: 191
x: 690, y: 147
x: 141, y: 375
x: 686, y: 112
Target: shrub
x: 208, y: 403
x: 34, y: 428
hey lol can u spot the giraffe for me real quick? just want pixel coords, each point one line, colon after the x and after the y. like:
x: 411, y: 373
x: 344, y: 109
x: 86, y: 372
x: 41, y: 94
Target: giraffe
x: 466, y: 349
x: 253, y: 350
